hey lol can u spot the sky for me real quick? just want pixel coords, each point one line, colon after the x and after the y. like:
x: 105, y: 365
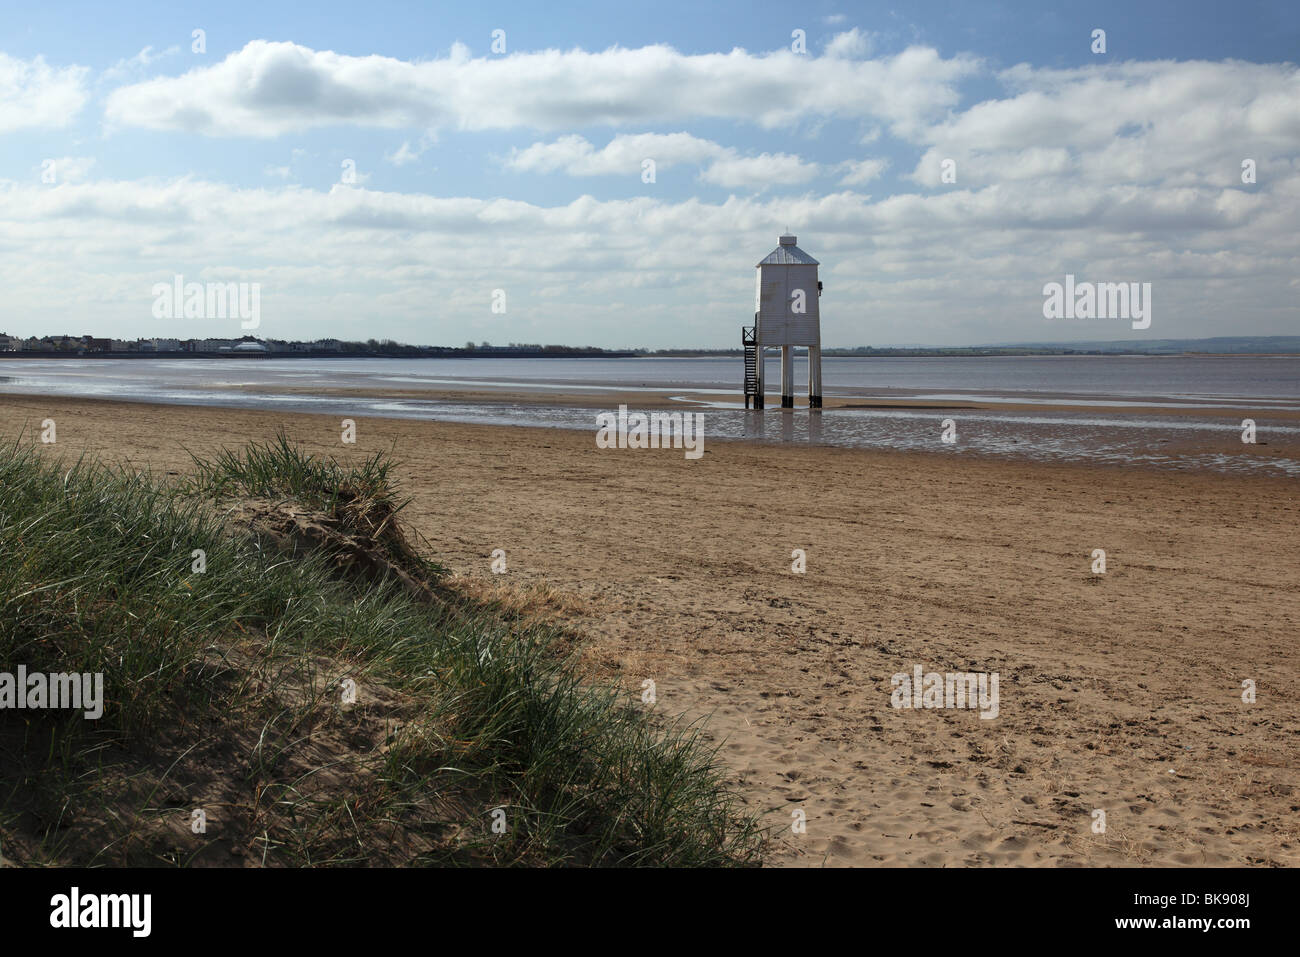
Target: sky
x: 609, y: 174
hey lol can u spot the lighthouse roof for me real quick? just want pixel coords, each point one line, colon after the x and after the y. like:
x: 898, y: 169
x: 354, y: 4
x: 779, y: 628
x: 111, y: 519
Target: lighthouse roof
x: 788, y: 254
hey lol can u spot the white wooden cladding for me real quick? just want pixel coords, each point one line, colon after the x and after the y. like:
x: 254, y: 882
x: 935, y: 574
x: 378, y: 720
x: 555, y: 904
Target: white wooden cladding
x: 778, y: 323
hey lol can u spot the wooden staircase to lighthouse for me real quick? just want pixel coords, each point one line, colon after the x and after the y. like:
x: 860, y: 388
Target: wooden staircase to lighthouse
x: 749, y: 340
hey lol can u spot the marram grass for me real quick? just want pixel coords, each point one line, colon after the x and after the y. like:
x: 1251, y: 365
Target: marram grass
x: 225, y: 738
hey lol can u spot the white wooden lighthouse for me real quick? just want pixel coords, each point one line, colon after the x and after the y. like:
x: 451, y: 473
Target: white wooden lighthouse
x: 785, y: 315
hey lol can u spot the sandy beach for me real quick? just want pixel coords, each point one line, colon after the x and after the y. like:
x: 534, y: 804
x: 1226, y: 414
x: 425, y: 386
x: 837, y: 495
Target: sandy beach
x: 1119, y: 692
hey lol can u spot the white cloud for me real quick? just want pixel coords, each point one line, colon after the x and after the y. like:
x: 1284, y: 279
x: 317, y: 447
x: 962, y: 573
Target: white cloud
x: 137, y: 64
x: 759, y: 172
x: 857, y: 172
x: 267, y: 89
x: 850, y: 45
x: 622, y: 155
x: 402, y: 155
x: 1158, y: 122
x: 34, y: 94
x: 405, y: 153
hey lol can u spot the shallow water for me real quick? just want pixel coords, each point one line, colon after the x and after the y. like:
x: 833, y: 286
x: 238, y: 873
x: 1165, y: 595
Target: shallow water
x: 1265, y: 389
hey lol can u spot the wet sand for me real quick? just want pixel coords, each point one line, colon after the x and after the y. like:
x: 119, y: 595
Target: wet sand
x: 1119, y: 692
x: 602, y: 397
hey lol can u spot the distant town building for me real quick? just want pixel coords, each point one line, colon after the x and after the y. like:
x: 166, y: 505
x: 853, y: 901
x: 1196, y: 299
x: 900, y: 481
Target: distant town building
x: 212, y: 345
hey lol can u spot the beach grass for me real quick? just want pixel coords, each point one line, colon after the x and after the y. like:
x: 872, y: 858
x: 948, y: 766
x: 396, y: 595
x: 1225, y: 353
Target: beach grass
x: 290, y: 682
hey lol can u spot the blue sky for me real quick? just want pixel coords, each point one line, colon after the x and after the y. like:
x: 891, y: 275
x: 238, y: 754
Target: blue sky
x: 522, y: 171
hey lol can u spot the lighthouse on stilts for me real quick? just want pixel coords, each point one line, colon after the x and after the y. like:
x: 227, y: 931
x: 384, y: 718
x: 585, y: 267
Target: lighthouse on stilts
x: 785, y: 315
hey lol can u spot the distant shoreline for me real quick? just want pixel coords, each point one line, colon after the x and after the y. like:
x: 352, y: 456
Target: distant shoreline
x: 686, y: 354
x: 251, y: 354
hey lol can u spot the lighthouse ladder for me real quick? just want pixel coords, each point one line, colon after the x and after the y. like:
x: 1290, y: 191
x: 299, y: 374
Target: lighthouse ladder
x: 748, y: 340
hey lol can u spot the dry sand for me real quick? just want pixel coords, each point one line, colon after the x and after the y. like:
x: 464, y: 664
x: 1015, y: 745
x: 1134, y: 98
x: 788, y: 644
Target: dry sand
x: 1119, y: 692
